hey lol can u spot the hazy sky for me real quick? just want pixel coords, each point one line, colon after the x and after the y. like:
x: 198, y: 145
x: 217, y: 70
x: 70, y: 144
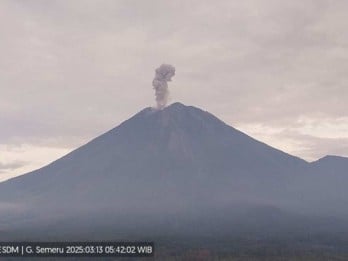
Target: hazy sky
x: 73, y: 69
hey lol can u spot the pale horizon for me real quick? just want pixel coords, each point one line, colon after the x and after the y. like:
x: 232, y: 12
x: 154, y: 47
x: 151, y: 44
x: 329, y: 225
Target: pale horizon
x: 71, y: 71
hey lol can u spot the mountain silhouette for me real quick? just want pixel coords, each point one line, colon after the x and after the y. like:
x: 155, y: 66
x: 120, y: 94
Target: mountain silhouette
x: 174, y: 170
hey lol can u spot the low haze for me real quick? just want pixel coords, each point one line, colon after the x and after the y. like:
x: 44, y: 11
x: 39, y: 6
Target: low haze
x: 71, y: 70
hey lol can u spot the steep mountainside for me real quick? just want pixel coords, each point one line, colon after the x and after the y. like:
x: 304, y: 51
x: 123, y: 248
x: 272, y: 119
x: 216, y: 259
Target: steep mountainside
x: 177, y: 162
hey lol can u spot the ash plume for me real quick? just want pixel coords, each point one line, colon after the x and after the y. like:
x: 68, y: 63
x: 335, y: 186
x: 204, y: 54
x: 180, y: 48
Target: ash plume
x: 164, y: 74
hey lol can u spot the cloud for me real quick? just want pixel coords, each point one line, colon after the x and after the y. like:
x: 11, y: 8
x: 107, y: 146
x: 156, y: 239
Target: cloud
x: 11, y: 165
x: 20, y: 159
x: 313, y: 148
x: 303, y: 140
x: 64, y: 64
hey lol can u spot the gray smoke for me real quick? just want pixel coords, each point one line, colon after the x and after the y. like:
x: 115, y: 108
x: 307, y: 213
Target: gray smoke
x: 164, y: 74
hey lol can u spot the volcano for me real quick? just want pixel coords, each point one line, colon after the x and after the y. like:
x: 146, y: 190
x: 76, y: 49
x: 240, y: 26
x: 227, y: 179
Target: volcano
x: 179, y: 170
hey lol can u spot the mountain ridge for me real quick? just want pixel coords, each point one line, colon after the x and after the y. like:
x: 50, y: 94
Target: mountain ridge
x: 177, y: 106
x: 175, y: 163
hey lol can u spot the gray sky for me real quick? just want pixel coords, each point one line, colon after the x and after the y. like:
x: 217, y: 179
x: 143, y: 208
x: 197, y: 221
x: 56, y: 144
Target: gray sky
x: 73, y: 69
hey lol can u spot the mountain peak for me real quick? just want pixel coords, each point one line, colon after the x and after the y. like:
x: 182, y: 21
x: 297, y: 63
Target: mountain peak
x: 176, y: 105
x: 332, y: 158
x: 176, y: 115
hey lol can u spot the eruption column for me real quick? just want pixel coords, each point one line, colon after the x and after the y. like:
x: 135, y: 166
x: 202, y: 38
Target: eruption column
x: 163, y: 75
